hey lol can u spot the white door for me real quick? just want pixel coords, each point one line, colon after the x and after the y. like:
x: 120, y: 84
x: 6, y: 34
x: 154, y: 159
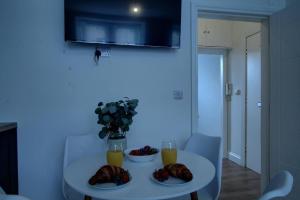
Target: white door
x: 253, y: 103
x: 209, y: 94
x: 211, y: 99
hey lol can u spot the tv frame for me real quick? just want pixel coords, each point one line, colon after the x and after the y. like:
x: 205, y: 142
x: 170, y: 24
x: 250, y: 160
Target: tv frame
x: 120, y: 44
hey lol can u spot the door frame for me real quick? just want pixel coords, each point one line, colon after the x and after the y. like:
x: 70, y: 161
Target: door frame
x: 224, y: 13
x: 224, y: 80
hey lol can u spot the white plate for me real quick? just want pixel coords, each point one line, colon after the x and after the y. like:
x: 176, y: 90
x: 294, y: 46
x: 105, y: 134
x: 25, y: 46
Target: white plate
x: 146, y: 158
x: 170, y: 182
x: 110, y: 186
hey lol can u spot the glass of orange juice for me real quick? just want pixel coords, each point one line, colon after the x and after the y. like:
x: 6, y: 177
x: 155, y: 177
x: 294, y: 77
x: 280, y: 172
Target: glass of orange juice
x: 114, y: 155
x: 168, y: 152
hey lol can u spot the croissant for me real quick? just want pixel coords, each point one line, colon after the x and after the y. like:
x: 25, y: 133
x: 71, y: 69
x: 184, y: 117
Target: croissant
x: 179, y: 171
x: 161, y: 175
x: 110, y: 174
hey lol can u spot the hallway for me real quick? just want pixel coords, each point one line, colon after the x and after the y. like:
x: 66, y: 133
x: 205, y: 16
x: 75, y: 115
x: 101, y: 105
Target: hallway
x: 239, y: 183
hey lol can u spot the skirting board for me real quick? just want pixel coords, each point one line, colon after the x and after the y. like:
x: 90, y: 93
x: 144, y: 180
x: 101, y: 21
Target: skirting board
x: 235, y: 158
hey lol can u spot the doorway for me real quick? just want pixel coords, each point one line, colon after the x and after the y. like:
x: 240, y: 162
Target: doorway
x: 241, y: 88
x: 223, y: 82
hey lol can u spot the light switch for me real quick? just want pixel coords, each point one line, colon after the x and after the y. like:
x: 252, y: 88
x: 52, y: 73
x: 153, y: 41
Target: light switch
x: 258, y: 104
x: 177, y: 94
x: 237, y: 92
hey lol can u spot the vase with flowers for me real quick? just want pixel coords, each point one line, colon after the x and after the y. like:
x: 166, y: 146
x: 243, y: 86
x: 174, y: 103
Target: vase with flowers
x: 115, y: 119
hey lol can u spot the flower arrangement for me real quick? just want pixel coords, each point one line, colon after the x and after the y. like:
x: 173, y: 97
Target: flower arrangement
x: 116, y: 117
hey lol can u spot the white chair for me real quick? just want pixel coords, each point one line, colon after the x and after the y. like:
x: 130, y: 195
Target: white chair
x: 280, y: 186
x: 210, y: 148
x: 3, y: 196
x: 1, y: 191
x: 13, y: 197
x: 77, y: 147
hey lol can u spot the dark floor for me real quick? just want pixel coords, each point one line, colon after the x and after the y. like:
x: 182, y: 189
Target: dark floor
x: 239, y: 183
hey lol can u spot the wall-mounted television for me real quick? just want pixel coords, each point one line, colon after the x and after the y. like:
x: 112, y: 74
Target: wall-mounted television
x: 154, y: 23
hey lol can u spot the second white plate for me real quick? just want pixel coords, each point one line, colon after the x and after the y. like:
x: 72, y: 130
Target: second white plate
x: 110, y: 186
x: 170, y: 182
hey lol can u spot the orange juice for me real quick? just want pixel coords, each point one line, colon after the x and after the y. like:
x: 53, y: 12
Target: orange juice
x: 114, y: 158
x: 169, y: 156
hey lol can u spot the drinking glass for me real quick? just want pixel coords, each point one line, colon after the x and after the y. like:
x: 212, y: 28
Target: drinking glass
x: 114, y: 154
x: 168, y: 152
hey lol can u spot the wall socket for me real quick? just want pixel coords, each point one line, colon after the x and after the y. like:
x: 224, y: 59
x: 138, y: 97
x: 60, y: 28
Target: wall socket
x: 105, y: 52
x: 177, y: 94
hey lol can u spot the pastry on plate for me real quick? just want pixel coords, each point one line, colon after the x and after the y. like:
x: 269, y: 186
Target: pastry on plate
x: 110, y: 174
x: 180, y: 171
x: 176, y: 170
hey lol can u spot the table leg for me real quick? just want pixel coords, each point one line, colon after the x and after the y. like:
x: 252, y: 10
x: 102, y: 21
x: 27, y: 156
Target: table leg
x: 87, y: 197
x: 194, y: 196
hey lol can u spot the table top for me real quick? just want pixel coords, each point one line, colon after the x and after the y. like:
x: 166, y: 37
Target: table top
x: 141, y: 186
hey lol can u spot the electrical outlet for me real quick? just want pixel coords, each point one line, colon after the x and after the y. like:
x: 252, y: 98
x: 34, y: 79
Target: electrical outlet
x: 178, y: 94
x: 105, y: 52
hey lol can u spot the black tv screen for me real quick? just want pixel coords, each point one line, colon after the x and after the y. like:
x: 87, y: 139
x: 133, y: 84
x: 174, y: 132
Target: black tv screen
x: 124, y: 22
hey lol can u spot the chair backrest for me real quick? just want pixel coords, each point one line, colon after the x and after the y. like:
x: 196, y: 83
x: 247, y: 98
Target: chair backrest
x: 210, y: 148
x: 77, y: 147
x: 280, y: 186
x: 82, y: 145
x: 3, y: 196
x: 14, y: 197
x: 1, y: 191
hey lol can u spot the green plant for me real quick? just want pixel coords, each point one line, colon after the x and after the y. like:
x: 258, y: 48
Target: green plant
x: 116, y: 117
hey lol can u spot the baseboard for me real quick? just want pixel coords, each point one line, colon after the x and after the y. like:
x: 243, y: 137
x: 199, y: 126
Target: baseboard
x: 235, y: 158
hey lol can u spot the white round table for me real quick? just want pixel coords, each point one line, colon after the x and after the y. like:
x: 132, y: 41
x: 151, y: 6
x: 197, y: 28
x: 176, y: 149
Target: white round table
x: 141, y: 187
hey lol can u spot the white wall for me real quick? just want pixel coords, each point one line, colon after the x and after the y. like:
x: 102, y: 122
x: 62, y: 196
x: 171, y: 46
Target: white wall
x: 209, y: 94
x: 285, y: 94
x: 51, y: 89
x: 236, y: 75
x: 246, y: 6
x: 214, y: 33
